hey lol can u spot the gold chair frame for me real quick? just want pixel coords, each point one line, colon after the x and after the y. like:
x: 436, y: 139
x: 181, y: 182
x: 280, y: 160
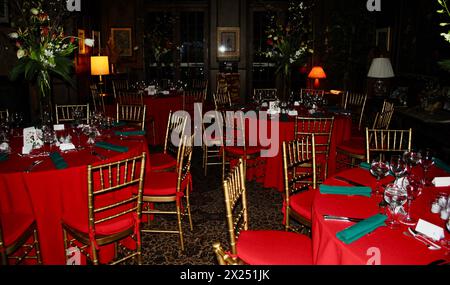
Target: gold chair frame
x: 110, y: 185
x: 212, y: 148
x: 175, y: 123
x: 183, y: 173
x: 318, y: 127
x: 4, y: 114
x: 97, y: 99
x: 298, y: 155
x: 7, y: 253
x: 222, y: 100
x: 130, y: 98
x: 132, y: 113
x: 190, y: 97
x: 64, y: 113
x: 357, y: 104
x: 265, y: 94
x: 387, y: 141
x: 120, y: 85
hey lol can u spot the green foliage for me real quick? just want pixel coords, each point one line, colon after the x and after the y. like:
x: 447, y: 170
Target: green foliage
x: 444, y: 64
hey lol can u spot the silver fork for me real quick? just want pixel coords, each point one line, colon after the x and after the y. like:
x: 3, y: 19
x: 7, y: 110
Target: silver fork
x: 33, y: 164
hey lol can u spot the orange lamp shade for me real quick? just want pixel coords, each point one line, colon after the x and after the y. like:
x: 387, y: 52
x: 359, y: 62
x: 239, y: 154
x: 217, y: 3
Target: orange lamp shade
x: 99, y: 65
x: 317, y: 73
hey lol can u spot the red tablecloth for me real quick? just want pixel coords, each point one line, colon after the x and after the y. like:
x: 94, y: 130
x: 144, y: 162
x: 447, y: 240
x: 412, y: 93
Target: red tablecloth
x: 54, y: 194
x: 274, y: 165
x: 391, y: 246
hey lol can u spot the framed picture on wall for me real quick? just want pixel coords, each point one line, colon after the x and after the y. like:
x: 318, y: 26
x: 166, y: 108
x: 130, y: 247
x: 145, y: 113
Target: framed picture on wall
x: 383, y: 38
x: 81, y: 37
x: 97, y: 49
x: 228, y: 42
x: 122, y: 41
x: 4, y: 12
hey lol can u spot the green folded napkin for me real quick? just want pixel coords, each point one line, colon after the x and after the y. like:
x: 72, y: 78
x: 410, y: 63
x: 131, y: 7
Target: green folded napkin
x: 113, y: 147
x: 130, y: 133
x: 4, y: 156
x: 365, y: 165
x: 346, y: 190
x: 119, y: 124
x: 362, y: 228
x: 442, y: 165
x: 58, y: 160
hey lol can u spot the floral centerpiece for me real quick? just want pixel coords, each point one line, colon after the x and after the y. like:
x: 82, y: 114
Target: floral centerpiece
x: 42, y: 47
x: 445, y: 64
x: 290, y: 41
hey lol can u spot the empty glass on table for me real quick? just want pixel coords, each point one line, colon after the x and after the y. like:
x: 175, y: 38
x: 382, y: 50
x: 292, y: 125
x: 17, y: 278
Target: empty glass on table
x: 395, y: 196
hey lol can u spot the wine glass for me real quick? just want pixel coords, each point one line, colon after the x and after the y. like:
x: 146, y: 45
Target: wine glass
x: 48, y: 136
x: 395, y: 196
x: 379, y: 169
x: 426, y: 162
x: 413, y: 186
x: 398, y: 167
x: 412, y: 159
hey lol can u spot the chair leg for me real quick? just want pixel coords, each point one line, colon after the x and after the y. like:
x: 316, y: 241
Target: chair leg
x: 188, y: 207
x: 180, y: 227
x: 94, y: 254
x: 205, y: 160
x: 37, y: 248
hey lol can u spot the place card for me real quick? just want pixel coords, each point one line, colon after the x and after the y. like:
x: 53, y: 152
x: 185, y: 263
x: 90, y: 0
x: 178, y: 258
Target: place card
x: 66, y: 146
x: 293, y: 113
x: 430, y: 230
x: 441, y: 181
x: 58, y: 127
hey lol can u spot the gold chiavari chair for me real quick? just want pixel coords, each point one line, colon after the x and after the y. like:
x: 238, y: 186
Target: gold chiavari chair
x: 353, y: 151
x: 192, y: 97
x: 130, y: 98
x: 64, y: 113
x: 311, y: 92
x: 387, y: 106
x: 200, y: 84
x: 4, y: 114
x: 167, y: 160
x: 222, y: 101
x: 265, y: 94
x: 132, y: 114
x: 256, y: 247
x: 114, y: 210
x: 120, y: 85
x: 97, y: 99
x: 300, y: 181
x: 212, y: 142
x: 322, y: 128
x: 18, y: 239
x: 239, y: 148
x: 172, y: 187
x: 383, y: 141
x: 356, y: 103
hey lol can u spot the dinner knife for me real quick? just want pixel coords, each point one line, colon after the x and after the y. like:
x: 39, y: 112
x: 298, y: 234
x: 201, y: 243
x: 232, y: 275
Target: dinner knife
x: 340, y: 218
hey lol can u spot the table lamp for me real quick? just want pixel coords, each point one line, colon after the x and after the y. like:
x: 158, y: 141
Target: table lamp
x: 100, y: 67
x: 316, y: 74
x: 380, y: 69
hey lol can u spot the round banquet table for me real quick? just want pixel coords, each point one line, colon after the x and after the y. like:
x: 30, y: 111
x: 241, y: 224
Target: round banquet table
x: 272, y: 172
x: 51, y: 194
x: 391, y: 246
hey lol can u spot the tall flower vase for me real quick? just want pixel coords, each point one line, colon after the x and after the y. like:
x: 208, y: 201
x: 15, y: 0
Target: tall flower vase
x: 284, y: 85
x: 41, y: 100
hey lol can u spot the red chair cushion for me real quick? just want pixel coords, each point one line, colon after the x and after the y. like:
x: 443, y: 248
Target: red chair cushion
x: 355, y: 145
x: 110, y: 227
x: 237, y: 150
x: 161, y: 161
x: 302, y: 202
x: 161, y: 184
x: 14, y: 225
x: 274, y: 248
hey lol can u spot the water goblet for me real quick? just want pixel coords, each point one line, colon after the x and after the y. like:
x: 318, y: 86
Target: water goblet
x: 426, y: 162
x: 395, y: 196
x: 412, y: 159
x: 379, y: 169
x: 413, y: 187
x: 398, y: 167
x: 48, y: 137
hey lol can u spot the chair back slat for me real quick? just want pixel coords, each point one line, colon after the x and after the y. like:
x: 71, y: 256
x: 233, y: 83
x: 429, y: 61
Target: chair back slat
x: 64, y: 113
x: 382, y: 141
x: 176, y: 123
x: 130, y: 98
x: 222, y: 100
x: 356, y: 103
x: 264, y: 95
x: 120, y: 85
x: 133, y: 114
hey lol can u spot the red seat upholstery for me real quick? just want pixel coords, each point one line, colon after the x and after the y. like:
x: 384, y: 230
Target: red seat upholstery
x: 355, y: 145
x: 14, y: 225
x: 301, y: 203
x: 274, y: 248
x: 160, y: 184
x: 161, y: 161
x: 239, y: 151
x: 107, y: 228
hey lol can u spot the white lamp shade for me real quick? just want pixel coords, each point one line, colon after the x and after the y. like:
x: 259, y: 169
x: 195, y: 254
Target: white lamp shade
x: 381, y: 68
x: 99, y: 65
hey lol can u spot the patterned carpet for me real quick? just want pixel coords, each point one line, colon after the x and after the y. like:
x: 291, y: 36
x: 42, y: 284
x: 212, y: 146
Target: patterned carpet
x: 208, y: 214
